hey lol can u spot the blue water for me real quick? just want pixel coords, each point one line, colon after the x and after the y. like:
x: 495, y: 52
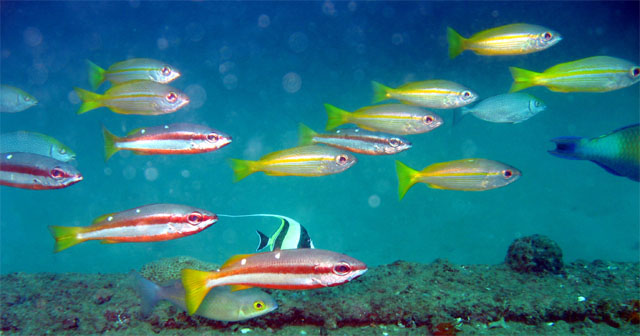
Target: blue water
x: 234, y: 58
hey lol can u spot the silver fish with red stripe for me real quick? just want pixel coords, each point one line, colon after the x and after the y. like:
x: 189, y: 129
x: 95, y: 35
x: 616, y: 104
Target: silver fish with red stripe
x: 34, y: 171
x: 178, y: 138
x: 283, y: 269
x: 356, y: 140
x: 148, y: 223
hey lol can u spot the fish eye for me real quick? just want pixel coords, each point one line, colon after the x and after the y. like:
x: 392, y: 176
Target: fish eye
x: 427, y: 119
x: 212, y: 137
x: 194, y: 218
x: 394, y: 142
x: 341, y: 159
x: 342, y: 268
x: 57, y: 173
x: 547, y: 36
x: 172, y: 97
x: 507, y: 173
x: 466, y: 94
x: 635, y: 72
x: 63, y: 151
x: 537, y: 103
x: 27, y: 98
x: 166, y: 71
x: 259, y: 305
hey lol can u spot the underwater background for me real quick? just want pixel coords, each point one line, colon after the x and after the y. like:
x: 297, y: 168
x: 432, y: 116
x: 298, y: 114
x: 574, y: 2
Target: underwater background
x: 255, y: 70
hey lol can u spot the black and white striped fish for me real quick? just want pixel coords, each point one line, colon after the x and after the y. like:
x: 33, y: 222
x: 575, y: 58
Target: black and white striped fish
x: 290, y: 235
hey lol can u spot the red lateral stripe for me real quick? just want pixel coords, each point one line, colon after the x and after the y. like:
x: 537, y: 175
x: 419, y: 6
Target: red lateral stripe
x: 166, y: 136
x: 270, y: 268
x: 156, y: 219
x: 151, y: 151
x: 22, y: 169
x: 34, y: 186
x: 147, y: 239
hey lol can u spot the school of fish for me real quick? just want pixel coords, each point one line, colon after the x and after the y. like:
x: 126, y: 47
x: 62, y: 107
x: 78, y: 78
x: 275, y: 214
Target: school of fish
x: 140, y: 86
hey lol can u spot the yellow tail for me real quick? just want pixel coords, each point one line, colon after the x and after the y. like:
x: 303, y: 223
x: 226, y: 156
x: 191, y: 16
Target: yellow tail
x: 110, y: 141
x: 306, y: 134
x: 195, y: 288
x: 456, y: 42
x: 96, y: 75
x: 522, y: 79
x: 336, y: 116
x: 243, y: 168
x: 65, y: 236
x: 90, y: 100
x: 406, y: 178
x: 380, y: 92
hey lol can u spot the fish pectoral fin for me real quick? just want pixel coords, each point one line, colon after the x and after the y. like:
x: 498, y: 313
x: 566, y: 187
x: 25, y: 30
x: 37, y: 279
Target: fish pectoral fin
x: 239, y: 287
x: 109, y: 241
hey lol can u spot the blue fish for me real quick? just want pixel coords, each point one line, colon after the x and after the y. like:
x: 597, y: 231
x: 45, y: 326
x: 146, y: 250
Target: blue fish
x: 617, y: 152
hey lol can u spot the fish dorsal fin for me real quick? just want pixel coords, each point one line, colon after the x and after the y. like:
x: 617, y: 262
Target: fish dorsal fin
x: 134, y: 131
x: 233, y: 260
x: 102, y: 218
x: 607, y: 168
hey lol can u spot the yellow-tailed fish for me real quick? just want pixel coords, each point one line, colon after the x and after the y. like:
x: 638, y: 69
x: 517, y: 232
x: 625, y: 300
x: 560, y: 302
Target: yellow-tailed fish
x: 466, y: 174
x: 356, y: 140
x: 132, y: 69
x: 135, y: 97
x: 388, y: 118
x: 312, y: 160
x: 36, y: 143
x: 512, y: 39
x: 591, y: 74
x: 14, y: 100
x: 436, y: 93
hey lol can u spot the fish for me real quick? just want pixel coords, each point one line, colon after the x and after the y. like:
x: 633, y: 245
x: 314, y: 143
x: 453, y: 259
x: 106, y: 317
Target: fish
x: 148, y: 223
x: 504, y: 108
x: 34, y: 171
x: 180, y: 138
x: 312, y: 160
x: 465, y: 174
x: 618, y: 152
x: 436, y: 93
x: 512, y: 39
x: 356, y: 140
x: 220, y: 304
x: 290, y: 234
x: 296, y: 269
x: 591, y: 74
x: 397, y: 119
x: 36, y: 143
x: 13, y: 99
x: 132, y: 69
x: 135, y: 97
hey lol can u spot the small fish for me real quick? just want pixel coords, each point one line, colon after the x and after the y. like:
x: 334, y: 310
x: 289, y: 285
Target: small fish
x: 591, y: 74
x: 284, y: 269
x: 512, y: 39
x: 36, y: 143
x: 466, y: 174
x: 135, y: 97
x: 14, y: 100
x: 312, y: 160
x: 437, y: 93
x: 389, y: 118
x: 290, y: 234
x: 618, y: 152
x: 33, y: 171
x: 132, y: 69
x: 168, y: 139
x: 505, y: 108
x: 356, y: 140
x: 148, y: 223
x: 220, y: 304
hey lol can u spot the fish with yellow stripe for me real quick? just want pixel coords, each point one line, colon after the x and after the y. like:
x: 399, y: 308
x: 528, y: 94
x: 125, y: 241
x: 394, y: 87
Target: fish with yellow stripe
x: 388, y: 118
x: 132, y: 69
x: 311, y: 160
x: 135, y: 97
x: 591, y: 74
x: 465, y: 174
x: 512, y: 39
x: 435, y: 93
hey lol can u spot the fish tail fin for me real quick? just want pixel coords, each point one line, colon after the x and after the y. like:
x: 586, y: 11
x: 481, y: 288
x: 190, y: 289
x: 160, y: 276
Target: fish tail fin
x: 336, y: 116
x: 195, y: 287
x: 522, y: 78
x: 406, y: 178
x: 148, y: 291
x: 110, y: 141
x: 96, y: 75
x: 264, y: 240
x: 306, y: 135
x: 458, y: 114
x: 380, y: 92
x: 568, y: 148
x: 65, y: 236
x: 456, y: 42
x: 242, y: 168
x: 90, y: 100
